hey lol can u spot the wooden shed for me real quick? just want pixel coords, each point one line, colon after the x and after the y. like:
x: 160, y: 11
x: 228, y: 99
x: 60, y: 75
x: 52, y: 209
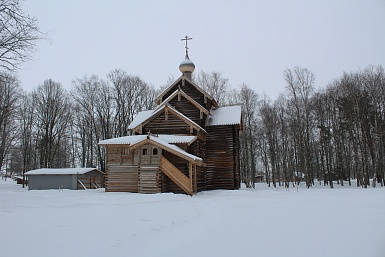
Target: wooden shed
x: 66, y: 178
x: 186, y: 144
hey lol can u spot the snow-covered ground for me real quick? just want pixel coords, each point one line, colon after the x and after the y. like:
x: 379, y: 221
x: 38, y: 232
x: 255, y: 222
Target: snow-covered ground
x: 319, y: 221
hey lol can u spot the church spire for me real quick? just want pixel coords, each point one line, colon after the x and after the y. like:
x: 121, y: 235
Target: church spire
x: 187, y: 66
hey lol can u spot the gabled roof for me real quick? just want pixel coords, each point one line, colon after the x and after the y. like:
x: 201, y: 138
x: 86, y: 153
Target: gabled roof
x: 162, y: 141
x: 229, y: 115
x: 187, y: 97
x: 145, y: 117
x: 140, y: 117
x: 63, y: 171
x: 157, y: 99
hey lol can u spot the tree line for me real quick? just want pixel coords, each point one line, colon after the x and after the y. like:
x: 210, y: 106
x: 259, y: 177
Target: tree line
x: 332, y: 135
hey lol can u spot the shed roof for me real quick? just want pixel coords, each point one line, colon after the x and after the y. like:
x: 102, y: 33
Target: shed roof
x: 62, y: 171
x: 229, y: 115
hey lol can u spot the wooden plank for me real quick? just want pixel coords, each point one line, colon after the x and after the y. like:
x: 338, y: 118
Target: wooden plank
x: 176, y: 175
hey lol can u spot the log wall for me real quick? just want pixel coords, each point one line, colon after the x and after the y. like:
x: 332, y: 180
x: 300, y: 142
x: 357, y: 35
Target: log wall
x: 191, y: 91
x: 172, y: 125
x: 122, y: 178
x: 122, y: 170
x: 150, y: 179
x: 189, y: 110
x: 222, y: 170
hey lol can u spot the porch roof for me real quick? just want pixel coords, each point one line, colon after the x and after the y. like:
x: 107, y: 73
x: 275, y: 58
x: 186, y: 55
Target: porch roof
x: 165, y: 142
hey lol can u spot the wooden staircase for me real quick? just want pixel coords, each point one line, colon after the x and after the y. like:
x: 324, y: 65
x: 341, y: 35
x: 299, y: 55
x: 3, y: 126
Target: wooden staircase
x: 176, y: 175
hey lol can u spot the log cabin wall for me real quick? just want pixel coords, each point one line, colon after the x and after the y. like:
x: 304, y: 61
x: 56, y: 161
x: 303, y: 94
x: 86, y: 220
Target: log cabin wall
x: 172, y: 125
x: 191, y: 91
x: 222, y: 170
x: 149, y: 172
x: 189, y: 110
x: 237, y: 165
x: 122, y: 170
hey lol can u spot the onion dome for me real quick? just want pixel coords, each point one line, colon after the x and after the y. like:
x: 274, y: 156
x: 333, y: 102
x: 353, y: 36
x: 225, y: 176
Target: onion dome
x: 187, y: 66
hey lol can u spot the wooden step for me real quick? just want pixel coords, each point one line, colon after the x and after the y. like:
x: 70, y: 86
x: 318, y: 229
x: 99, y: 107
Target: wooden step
x: 176, y: 175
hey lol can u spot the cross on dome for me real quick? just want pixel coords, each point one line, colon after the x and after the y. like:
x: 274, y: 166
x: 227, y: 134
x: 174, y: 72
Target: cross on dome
x: 187, y: 66
x: 186, y: 38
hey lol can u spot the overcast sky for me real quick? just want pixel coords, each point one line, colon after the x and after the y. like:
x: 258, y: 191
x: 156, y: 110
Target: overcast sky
x: 249, y: 42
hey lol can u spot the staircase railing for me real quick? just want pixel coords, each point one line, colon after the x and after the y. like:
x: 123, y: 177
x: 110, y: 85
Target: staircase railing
x: 176, y: 175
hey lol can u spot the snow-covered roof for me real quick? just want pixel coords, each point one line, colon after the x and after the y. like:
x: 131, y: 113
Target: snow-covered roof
x: 173, y: 148
x: 164, y: 141
x: 229, y: 115
x: 131, y: 140
x: 63, y: 171
x: 178, y: 139
x: 157, y: 99
x: 142, y: 117
x: 186, y: 96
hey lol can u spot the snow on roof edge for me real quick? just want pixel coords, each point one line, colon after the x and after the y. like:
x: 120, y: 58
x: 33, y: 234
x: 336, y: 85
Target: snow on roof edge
x: 227, y: 115
x: 59, y: 171
x: 130, y: 140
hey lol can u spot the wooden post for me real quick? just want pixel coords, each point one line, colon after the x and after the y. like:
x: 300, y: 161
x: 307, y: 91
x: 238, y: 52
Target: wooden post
x: 191, y: 177
x: 195, y: 178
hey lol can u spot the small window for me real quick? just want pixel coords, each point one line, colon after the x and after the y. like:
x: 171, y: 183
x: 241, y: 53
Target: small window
x: 144, y: 151
x: 126, y: 151
x: 155, y: 151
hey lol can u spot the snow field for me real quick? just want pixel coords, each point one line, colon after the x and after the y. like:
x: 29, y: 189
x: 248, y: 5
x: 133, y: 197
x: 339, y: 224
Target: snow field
x: 344, y: 221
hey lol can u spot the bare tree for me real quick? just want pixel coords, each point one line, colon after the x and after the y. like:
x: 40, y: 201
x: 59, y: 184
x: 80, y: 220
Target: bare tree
x: 9, y: 95
x: 52, y: 110
x: 27, y: 135
x: 18, y: 34
x: 248, y: 141
x: 269, y: 126
x: 300, y: 85
x: 214, y: 84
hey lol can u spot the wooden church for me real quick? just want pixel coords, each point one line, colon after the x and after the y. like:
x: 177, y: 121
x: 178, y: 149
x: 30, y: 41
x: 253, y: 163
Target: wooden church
x: 186, y: 144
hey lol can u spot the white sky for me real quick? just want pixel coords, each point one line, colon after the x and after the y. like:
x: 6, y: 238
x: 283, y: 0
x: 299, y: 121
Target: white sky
x: 249, y: 42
